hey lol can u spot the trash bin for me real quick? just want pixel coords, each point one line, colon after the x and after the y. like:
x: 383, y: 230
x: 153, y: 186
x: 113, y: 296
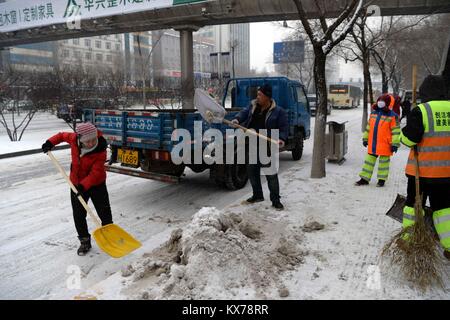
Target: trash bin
x: 336, y: 142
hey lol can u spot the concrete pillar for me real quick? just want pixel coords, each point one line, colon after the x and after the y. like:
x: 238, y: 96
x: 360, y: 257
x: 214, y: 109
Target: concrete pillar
x: 187, y: 66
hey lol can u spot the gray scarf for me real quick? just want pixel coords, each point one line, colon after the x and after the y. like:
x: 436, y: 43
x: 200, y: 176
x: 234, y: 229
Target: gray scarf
x: 86, y: 150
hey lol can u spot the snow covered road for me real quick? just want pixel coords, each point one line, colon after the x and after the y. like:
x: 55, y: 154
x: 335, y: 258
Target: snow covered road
x: 38, y: 239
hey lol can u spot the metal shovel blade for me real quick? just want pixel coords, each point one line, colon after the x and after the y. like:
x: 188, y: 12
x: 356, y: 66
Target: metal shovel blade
x: 115, y: 241
x: 210, y: 110
x: 396, y: 211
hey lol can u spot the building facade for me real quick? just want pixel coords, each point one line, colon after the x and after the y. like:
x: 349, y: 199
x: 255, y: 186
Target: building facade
x: 166, y: 60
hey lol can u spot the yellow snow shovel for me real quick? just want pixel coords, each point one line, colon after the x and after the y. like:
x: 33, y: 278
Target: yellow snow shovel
x: 111, y: 238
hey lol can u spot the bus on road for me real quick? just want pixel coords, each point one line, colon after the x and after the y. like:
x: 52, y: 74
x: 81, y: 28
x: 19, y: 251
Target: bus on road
x: 344, y: 96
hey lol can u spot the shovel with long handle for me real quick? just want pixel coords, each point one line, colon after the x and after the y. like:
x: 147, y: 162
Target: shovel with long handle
x: 213, y: 112
x: 253, y: 132
x: 110, y: 238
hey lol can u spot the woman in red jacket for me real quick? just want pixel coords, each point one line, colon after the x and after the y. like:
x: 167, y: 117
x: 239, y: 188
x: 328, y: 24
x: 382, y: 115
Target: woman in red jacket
x: 88, y: 174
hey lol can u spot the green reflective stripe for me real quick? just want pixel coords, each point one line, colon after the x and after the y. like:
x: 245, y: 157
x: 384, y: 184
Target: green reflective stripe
x: 369, y: 163
x: 444, y: 236
x: 439, y: 220
x: 365, y: 175
x: 404, y: 140
x: 431, y: 163
x: 437, y: 134
x: 430, y: 117
x: 434, y: 149
x: 409, y: 217
x: 367, y: 171
x: 385, y: 160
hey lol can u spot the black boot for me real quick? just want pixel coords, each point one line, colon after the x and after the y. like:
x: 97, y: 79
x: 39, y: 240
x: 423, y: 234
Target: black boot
x: 361, y: 182
x: 278, y: 205
x: 380, y: 183
x: 254, y: 199
x: 85, y: 246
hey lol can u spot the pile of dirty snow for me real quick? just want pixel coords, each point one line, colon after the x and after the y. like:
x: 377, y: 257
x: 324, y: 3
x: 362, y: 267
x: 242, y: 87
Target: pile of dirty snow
x: 218, y: 256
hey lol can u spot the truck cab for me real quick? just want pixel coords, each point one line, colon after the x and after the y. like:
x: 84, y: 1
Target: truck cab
x: 288, y: 94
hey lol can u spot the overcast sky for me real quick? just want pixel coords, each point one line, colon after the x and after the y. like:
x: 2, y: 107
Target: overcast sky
x: 262, y: 37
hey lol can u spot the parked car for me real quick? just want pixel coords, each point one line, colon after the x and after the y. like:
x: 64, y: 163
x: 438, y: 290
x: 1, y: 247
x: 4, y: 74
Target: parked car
x: 312, y: 98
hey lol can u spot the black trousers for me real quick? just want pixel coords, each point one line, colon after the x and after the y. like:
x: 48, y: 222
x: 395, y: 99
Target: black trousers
x: 438, y: 194
x: 254, y: 175
x: 100, y: 199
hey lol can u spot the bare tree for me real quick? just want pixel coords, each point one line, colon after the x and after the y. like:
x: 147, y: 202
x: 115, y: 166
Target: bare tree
x: 323, y: 40
x: 29, y: 92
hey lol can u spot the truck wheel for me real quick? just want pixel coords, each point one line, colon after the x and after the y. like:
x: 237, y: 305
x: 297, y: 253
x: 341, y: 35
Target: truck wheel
x: 235, y: 176
x: 231, y: 177
x: 297, y: 152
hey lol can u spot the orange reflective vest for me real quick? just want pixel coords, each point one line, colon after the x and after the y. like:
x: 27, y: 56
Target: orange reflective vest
x: 434, y: 148
x: 382, y: 133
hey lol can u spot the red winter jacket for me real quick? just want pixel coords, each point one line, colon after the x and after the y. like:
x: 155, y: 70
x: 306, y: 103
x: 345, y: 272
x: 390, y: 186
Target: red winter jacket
x: 88, y: 170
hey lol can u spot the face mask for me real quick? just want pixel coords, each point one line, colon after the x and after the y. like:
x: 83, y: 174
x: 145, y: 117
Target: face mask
x: 381, y: 104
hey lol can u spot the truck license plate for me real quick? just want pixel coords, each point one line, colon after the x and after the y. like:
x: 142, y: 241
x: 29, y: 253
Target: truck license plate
x: 129, y: 157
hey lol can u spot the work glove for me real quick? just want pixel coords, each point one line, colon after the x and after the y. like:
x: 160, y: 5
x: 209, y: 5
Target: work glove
x: 47, y: 146
x: 394, y: 149
x: 365, y: 143
x: 80, y: 190
x: 235, y: 121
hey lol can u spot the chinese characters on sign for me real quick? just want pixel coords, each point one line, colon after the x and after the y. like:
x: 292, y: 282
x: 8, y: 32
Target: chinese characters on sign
x: 289, y: 52
x: 19, y: 14
x: 442, y: 119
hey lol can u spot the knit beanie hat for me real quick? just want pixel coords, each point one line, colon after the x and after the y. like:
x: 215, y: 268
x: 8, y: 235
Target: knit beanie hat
x: 433, y: 88
x: 266, y: 89
x: 86, y: 131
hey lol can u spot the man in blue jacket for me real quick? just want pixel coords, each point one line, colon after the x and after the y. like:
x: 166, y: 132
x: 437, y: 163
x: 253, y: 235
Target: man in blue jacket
x: 263, y: 113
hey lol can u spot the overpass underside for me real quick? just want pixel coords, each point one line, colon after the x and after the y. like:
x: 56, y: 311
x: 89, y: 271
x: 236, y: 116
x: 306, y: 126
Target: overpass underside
x: 210, y: 13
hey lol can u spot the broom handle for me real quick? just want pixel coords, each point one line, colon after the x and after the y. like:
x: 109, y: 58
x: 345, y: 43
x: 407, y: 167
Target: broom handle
x: 232, y: 124
x: 74, y: 189
x: 417, y: 180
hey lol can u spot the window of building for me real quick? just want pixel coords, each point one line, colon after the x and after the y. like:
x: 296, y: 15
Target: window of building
x: 109, y: 58
x: 88, y: 56
x: 108, y: 45
x: 66, y: 53
x: 98, y: 44
x: 87, y: 42
x: 77, y: 54
x: 99, y: 57
x: 117, y: 47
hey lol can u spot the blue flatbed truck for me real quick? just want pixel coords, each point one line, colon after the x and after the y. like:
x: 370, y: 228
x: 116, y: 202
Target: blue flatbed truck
x: 142, y: 147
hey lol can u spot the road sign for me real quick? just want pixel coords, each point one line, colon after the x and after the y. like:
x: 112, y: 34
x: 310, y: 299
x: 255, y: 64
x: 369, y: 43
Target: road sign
x: 289, y: 52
